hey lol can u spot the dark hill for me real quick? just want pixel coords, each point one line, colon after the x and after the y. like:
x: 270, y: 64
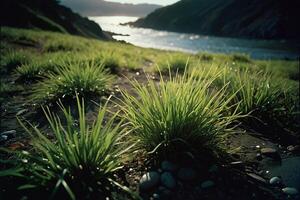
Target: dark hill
x: 268, y: 19
x: 106, y: 8
x: 47, y: 15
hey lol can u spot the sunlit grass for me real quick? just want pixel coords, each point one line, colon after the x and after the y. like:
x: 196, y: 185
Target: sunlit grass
x: 85, y: 78
x: 178, y: 115
x: 12, y: 59
x: 266, y: 99
x: 79, y: 161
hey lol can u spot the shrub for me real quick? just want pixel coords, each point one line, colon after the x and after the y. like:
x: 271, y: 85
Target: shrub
x: 84, y: 78
x: 79, y: 161
x: 179, y: 115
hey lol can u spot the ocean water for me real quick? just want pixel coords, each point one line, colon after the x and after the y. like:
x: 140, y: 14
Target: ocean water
x: 193, y: 43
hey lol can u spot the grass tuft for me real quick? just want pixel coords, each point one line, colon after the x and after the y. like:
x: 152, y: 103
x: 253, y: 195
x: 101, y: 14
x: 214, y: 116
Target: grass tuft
x: 13, y: 59
x: 241, y: 58
x: 85, y: 78
x: 268, y: 101
x: 178, y: 115
x: 79, y: 161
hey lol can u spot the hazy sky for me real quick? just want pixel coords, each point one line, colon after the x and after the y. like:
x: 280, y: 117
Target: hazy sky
x: 161, y: 2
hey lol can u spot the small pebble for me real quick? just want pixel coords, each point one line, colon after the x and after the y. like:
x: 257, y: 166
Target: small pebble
x: 149, y: 180
x: 156, y: 196
x: 168, y: 180
x: 259, y: 157
x: 207, y: 184
x: 187, y: 174
x: 3, y: 138
x: 290, y: 190
x: 213, y: 168
x: 11, y: 132
x: 168, y: 166
x: 275, y: 181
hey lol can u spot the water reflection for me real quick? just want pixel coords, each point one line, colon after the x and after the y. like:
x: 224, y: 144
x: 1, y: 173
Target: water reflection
x: 194, y: 43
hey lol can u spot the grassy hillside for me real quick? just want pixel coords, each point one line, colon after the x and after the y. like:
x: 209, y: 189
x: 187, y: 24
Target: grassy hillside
x: 47, y: 15
x: 91, y: 117
x: 232, y: 18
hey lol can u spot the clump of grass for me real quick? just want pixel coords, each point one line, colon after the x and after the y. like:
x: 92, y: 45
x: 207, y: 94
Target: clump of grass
x: 263, y: 98
x: 13, y: 59
x: 175, y: 63
x: 179, y: 115
x: 111, y: 61
x: 40, y: 66
x: 63, y: 44
x: 18, y: 36
x: 84, y: 78
x: 7, y: 89
x: 205, y: 57
x: 34, y: 71
x: 79, y: 161
x: 179, y: 64
x: 241, y: 58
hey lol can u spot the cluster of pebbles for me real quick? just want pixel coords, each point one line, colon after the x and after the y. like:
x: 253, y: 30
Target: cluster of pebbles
x: 163, y: 182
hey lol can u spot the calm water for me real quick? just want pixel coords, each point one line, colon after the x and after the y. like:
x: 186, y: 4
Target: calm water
x: 193, y: 43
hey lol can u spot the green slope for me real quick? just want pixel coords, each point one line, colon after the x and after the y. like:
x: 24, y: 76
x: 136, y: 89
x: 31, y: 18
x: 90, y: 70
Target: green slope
x: 47, y: 15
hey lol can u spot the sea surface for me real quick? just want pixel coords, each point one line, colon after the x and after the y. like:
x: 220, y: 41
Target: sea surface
x: 193, y: 43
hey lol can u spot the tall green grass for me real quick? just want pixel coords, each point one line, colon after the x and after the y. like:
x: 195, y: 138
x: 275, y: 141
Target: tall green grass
x: 80, y: 159
x: 268, y: 100
x: 179, y: 115
x: 12, y: 59
x: 85, y: 78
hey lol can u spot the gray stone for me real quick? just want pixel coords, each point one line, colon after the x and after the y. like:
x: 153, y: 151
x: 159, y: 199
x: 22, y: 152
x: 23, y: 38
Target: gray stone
x: 259, y: 157
x: 294, y: 149
x: 290, y: 191
x: 186, y: 174
x: 166, y: 194
x: 10, y: 133
x: 168, y: 180
x: 207, y: 184
x: 3, y: 138
x: 168, y: 166
x: 275, y: 180
x: 156, y: 196
x: 213, y: 168
x: 149, y: 180
x: 288, y: 170
x: 270, y: 152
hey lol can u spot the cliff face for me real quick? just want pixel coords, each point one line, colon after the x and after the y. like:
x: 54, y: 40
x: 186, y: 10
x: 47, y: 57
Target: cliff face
x: 47, y: 15
x: 267, y: 19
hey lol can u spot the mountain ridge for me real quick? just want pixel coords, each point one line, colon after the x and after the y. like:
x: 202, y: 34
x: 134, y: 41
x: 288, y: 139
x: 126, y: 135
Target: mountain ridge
x: 48, y: 15
x: 263, y: 19
x: 107, y: 8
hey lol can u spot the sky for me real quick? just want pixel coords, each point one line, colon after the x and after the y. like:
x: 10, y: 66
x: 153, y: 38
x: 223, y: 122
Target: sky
x: 161, y: 2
